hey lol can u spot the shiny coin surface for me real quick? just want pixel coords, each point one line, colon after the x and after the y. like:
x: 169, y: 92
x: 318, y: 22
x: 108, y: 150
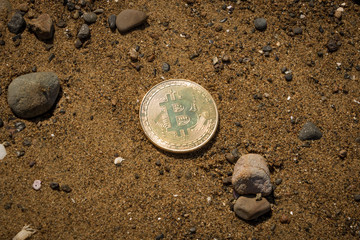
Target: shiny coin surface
x: 178, y: 115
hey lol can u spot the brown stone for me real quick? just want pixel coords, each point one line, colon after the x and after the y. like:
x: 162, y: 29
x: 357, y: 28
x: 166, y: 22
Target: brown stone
x: 129, y: 19
x: 248, y: 208
x: 5, y: 9
x: 24, y: 7
x: 43, y: 27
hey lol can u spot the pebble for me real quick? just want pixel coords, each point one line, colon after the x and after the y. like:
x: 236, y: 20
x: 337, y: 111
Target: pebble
x: 1, y: 123
x: 112, y: 22
x: 298, y: 31
x: 51, y: 57
x: 251, y: 175
x: 260, y: 24
x: 78, y: 43
x: 284, y: 69
x: 27, y: 142
x: 284, y: 219
x: 118, y: 161
x: 357, y: 197
x: 159, y: 237
x: 33, y: 94
x: 55, y: 186
x: 332, y: 45
x: 288, y: 77
x: 248, y: 208
x: 61, y: 23
x: 133, y: 54
x: 231, y: 158
x: 165, y: 67
x: 129, y: 19
x: 227, y: 181
x: 24, y: 7
x: 357, y: 67
x: 99, y: 11
x: 338, y: 12
x: 90, y: 17
x: 20, y: 126
x: 20, y: 153
x: 16, y: 24
x: 2, y: 152
x: 66, y: 188
x: 36, y: 185
x: 267, y: 48
x: 343, y: 154
x: 278, y: 181
x: 70, y: 6
x: 192, y: 230
x: 43, y: 27
x: 310, y: 132
x: 84, y: 32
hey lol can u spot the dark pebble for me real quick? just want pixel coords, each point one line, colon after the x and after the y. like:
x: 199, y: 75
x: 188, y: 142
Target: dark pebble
x: 16, y: 37
x: 310, y: 132
x: 70, y: 6
x: 192, y: 230
x: 278, y: 181
x: 112, y: 22
x: 357, y: 197
x: 20, y: 126
x: 321, y: 29
x: 159, y: 237
x: 55, y: 186
x: 7, y: 206
x: 238, y: 124
x: 343, y: 154
x: 332, y: 45
x: 267, y: 48
x: 1, y: 123
x: 297, y: 31
x: 16, y: 24
x: 260, y: 24
x: 2, y: 42
x: 32, y: 163
x: 320, y: 54
x: 283, y: 69
x: 357, y: 67
x: 78, y: 43
x: 27, y: 142
x: 84, y: 32
x: 166, y: 67
x: 66, y: 188
x: 288, y: 77
x: 34, y: 69
x: 51, y: 57
x: 61, y: 23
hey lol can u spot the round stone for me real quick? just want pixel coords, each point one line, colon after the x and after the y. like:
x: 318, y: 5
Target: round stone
x: 129, y: 19
x: 90, y: 17
x: 260, y: 24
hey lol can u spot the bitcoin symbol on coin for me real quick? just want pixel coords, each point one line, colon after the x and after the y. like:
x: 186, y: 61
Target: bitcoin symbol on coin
x: 181, y: 112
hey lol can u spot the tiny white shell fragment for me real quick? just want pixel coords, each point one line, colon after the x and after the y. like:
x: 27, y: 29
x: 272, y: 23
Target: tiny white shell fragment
x: 36, y: 185
x: 25, y: 233
x: 118, y: 160
x: 2, y: 152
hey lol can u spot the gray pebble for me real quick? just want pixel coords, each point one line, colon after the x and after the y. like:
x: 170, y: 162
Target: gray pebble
x: 55, y: 186
x: 297, y: 30
x: 332, y: 45
x: 288, y: 77
x: 1, y: 123
x: 260, y: 24
x: 66, y: 188
x: 27, y: 142
x: 166, y: 67
x: 284, y: 69
x: 310, y: 132
x: 61, y: 23
x: 78, y: 43
x: 16, y: 24
x: 357, y: 197
x: 90, y: 17
x: 112, y: 22
x: 33, y: 94
x: 84, y: 32
x: 192, y: 230
x: 99, y: 11
x: 278, y: 181
x: 20, y: 126
x: 267, y: 48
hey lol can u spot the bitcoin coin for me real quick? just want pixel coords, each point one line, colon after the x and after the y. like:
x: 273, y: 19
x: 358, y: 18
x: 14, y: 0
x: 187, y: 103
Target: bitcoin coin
x: 178, y: 115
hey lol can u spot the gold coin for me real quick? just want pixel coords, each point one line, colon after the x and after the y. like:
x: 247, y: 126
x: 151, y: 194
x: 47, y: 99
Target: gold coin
x: 178, y: 115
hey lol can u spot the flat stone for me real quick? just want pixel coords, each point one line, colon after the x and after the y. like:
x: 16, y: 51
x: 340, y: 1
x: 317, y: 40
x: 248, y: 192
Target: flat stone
x: 251, y: 175
x: 33, y: 94
x: 43, y: 27
x: 248, y: 208
x: 129, y: 19
x: 16, y: 24
x: 310, y: 132
x: 90, y: 17
x: 84, y: 32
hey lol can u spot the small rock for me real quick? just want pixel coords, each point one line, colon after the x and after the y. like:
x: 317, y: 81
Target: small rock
x: 24, y: 7
x: 284, y: 219
x: 55, y: 186
x: 99, y: 11
x: 343, y: 154
x: 16, y: 24
x: 84, y: 32
x: 338, y: 12
x: 310, y: 132
x: 66, y: 188
x: 36, y: 185
x: 297, y: 30
x: 267, y: 48
x: 112, y: 22
x: 133, y: 54
x: 43, y: 27
x: 78, y: 43
x: 129, y: 19
x: 20, y: 153
x: 231, y: 158
x: 165, y: 67
x: 260, y: 24
x: 75, y: 15
x: 284, y: 69
x: 288, y: 77
x: 2, y: 152
x: 357, y: 197
x: 251, y: 175
x: 20, y: 126
x: 1, y: 123
x: 118, y: 161
x: 70, y: 6
x: 61, y: 23
x: 90, y: 17
x: 248, y: 208
x: 27, y: 142
x: 278, y: 181
x: 159, y: 237
x: 226, y: 58
x: 33, y: 94
x: 332, y: 45
x: 192, y: 230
